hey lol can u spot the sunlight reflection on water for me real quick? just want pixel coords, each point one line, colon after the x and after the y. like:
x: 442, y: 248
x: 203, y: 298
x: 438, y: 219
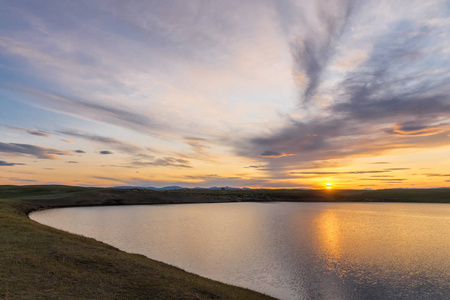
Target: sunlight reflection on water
x: 288, y: 250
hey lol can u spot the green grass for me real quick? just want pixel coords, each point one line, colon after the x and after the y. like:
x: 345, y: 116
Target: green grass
x: 290, y: 195
x: 39, y: 262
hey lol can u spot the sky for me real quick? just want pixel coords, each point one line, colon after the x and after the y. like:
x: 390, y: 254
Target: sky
x: 260, y: 94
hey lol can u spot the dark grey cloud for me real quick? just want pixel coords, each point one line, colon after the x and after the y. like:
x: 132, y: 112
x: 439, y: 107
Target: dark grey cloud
x: 272, y: 154
x: 39, y: 133
x: 71, y: 162
x: 394, y: 83
x: 106, y: 152
x: 36, y: 151
x: 79, y: 151
x: 414, y: 128
x: 5, y: 164
x: 313, y: 49
x: 396, y: 169
x: 299, y: 137
x: 383, y: 91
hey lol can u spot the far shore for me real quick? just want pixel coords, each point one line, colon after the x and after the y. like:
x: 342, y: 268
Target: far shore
x: 48, y: 196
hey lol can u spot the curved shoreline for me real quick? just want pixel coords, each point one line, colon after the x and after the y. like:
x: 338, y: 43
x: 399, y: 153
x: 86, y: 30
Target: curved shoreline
x: 40, y: 262
x: 113, y: 246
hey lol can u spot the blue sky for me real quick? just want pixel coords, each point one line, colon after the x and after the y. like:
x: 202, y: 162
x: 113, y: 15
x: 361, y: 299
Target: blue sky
x: 240, y: 93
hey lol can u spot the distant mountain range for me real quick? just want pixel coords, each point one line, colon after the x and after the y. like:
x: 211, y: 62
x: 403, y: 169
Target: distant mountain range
x: 168, y: 188
x: 175, y: 187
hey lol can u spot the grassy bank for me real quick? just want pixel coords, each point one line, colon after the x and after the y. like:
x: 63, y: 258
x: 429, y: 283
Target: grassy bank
x: 38, y: 262
x: 280, y: 195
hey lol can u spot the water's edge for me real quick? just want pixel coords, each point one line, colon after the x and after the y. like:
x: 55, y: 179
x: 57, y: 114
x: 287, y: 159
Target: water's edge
x: 56, y: 207
x: 331, y: 243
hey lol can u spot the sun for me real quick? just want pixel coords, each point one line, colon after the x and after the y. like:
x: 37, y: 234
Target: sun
x: 329, y: 185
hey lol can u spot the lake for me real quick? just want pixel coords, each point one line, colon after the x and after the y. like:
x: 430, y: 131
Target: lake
x: 286, y: 250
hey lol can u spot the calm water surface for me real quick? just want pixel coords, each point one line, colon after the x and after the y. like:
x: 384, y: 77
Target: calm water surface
x: 287, y: 250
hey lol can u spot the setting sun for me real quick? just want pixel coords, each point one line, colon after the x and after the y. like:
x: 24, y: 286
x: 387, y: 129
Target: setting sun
x: 329, y: 185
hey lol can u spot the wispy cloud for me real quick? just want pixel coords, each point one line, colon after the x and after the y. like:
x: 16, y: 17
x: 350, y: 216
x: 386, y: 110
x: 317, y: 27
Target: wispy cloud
x: 119, y: 166
x: 94, y: 111
x: 33, y: 132
x: 339, y: 173
x: 21, y: 179
x: 382, y: 179
x: 6, y: 164
x: 314, y: 47
x: 203, y: 177
x: 269, y: 153
x: 412, y: 128
x: 197, y: 144
x: 253, y: 167
x: 165, y: 161
x: 102, y: 140
x: 108, y: 178
x: 393, y: 99
x: 436, y: 175
x: 36, y: 151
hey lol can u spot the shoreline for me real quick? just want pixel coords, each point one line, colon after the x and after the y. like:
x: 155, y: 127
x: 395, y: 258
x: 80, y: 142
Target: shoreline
x: 41, y: 262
